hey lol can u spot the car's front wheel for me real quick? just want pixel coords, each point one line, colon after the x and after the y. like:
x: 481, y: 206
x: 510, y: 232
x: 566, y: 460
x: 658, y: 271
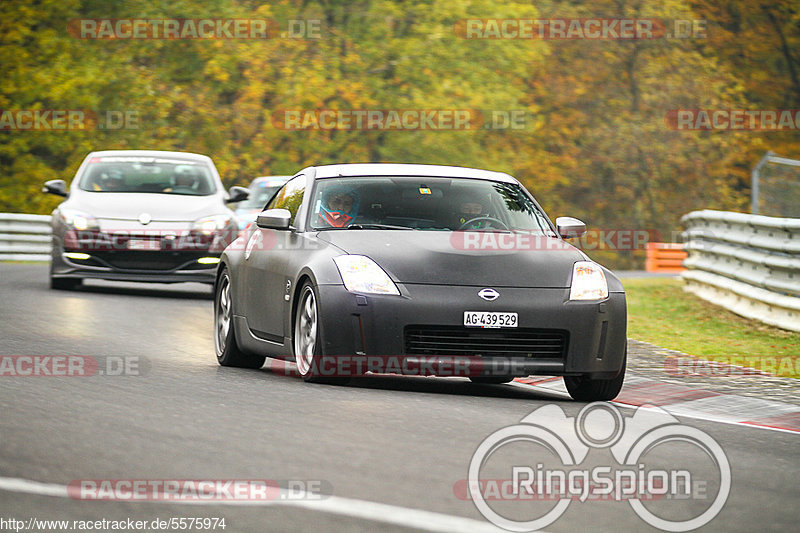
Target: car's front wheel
x: 228, y: 352
x: 586, y: 389
x: 307, y: 340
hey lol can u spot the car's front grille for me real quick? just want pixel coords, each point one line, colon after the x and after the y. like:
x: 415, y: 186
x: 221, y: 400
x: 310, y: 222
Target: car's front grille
x: 151, y: 260
x: 509, y: 342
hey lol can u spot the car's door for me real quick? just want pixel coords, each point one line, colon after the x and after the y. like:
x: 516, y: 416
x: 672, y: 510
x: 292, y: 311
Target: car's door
x: 267, y: 280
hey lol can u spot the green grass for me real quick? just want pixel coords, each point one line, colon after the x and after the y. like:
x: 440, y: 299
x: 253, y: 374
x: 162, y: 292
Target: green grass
x: 661, y: 313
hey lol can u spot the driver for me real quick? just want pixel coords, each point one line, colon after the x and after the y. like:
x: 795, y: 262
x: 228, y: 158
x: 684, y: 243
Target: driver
x: 185, y: 177
x: 110, y: 181
x: 468, y: 210
x: 339, y: 206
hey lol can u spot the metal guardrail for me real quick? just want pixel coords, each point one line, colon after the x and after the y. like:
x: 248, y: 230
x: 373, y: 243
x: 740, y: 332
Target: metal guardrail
x: 749, y: 264
x: 24, y: 237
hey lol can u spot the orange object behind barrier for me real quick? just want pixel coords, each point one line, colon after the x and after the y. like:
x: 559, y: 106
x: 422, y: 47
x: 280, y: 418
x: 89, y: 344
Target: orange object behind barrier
x: 665, y: 257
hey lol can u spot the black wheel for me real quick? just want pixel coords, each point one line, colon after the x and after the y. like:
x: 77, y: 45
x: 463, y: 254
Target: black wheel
x: 585, y: 389
x: 307, y: 341
x: 228, y: 353
x: 65, y: 284
x: 494, y: 380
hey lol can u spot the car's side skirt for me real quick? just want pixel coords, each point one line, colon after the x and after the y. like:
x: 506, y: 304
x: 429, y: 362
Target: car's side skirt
x: 257, y: 345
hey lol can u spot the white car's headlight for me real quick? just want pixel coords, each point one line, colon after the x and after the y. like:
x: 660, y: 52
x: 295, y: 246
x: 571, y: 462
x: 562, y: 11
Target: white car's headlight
x: 208, y: 225
x: 362, y: 274
x: 588, y: 282
x: 79, y: 220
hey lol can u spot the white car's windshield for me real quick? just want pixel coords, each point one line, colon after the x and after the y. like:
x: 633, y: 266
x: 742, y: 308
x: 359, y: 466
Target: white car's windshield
x: 148, y: 174
x: 424, y: 203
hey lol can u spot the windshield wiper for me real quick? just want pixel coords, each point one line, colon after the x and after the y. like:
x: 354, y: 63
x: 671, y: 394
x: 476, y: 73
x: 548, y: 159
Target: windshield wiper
x: 375, y: 226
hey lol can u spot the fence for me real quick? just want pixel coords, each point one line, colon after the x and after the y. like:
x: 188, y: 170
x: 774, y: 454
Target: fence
x: 24, y: 237
x: 749, y: 264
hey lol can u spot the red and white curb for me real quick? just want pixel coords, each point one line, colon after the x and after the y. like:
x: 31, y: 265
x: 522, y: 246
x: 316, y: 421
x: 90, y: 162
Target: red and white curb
x: 690, y: 402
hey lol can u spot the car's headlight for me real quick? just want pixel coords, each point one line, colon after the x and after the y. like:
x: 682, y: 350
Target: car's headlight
x: 362, y: 274
x: 79, y: 220
x: 209, y: 225
x: 588, y: 282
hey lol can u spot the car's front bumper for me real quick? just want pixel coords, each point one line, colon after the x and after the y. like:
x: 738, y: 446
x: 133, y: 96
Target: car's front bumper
x: 593, y: 332
x: 137, y: 266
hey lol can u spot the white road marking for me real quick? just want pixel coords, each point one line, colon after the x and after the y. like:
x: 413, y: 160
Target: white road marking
x: 750, y: 407
x: 361, y: 509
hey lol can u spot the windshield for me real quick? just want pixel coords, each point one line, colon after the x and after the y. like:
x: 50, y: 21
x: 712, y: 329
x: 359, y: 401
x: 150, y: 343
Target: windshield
x: 423, y: 203
x: 148, y: 174
x: 260, y: 193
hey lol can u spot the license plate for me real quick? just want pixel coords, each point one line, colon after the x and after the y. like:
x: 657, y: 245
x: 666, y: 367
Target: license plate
x: 490, y: 319
x: 144, y: 244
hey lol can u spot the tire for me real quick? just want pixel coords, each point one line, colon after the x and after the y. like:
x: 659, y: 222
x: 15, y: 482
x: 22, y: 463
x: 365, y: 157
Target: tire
x: 585, y: 389
x: 307, y: 340
x: 65, y: 284
x: 228, y: 352
x: 495, y: 380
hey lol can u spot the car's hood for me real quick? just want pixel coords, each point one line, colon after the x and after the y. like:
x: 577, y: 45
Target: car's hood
x: 160, y: 207
x: 442, y: 257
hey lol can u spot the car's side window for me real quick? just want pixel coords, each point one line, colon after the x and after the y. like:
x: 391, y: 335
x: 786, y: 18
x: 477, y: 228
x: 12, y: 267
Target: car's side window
x: 290, y: 196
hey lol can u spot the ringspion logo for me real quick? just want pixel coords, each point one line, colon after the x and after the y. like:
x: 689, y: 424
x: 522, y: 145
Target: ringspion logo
x: 684, y: 496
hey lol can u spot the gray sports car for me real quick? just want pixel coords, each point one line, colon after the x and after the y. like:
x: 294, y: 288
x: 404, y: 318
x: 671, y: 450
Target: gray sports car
x: 135, y: 215
x: 418, y: 269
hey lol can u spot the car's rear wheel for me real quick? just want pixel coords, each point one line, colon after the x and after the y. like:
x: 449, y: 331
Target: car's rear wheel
x: 586, y: 389
x: 228, y: 352
x: 494, y: 380
x: 307, y: 340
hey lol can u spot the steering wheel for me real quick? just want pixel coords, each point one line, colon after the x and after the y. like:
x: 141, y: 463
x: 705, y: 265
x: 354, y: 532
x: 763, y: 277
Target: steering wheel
x: 488, y: 219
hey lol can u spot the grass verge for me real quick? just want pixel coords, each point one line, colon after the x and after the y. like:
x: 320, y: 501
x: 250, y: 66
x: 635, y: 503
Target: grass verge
x: 661, y: 313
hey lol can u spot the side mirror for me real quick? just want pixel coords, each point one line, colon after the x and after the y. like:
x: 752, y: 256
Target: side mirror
x: 569, y: 227
x: 237, y: 194
x: 274, y: 219
x: 57, y: 187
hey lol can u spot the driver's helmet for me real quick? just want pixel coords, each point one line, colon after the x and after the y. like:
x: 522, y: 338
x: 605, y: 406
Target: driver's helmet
x: 469, y: 209
x: 185, y: 176
x: 339, y: 205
